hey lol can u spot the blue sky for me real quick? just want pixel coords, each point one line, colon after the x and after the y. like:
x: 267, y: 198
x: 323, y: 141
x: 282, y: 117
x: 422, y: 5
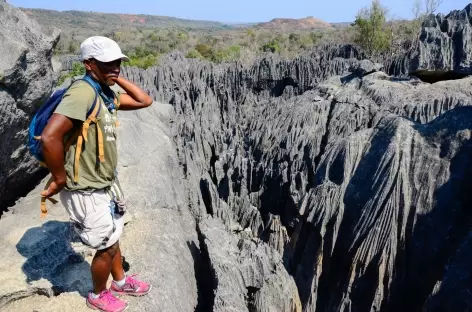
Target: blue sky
x: 236, y: 10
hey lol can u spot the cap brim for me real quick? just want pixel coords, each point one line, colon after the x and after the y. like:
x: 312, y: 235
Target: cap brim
x: 111, y: 58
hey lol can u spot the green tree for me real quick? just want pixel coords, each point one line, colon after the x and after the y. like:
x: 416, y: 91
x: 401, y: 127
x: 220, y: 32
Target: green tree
x: 372, y: 32
x: 194, y: 54
x: 316, y: 36
x: 205, y: 50
x: 294, y: 38
x: 272, y: 46
x: 231, y: 53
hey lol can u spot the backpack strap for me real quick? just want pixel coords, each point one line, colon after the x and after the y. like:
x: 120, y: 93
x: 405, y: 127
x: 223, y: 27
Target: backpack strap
x: 117, y: 123
x: 44, y: 209
x: 94, y: 114
x: 83, y: 136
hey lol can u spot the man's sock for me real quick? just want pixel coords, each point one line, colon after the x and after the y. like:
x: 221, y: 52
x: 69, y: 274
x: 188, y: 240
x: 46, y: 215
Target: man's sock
x: 120, y: 283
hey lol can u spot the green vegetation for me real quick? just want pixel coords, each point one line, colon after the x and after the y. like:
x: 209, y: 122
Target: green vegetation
x: 145, y: 39
x: 271, y: 46
x: 78, y: 69
x: 194, y: 54
x: 372, y: 33
x: 142, y: 58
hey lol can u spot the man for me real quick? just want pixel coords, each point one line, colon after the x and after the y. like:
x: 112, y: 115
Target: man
x: 90, y: 192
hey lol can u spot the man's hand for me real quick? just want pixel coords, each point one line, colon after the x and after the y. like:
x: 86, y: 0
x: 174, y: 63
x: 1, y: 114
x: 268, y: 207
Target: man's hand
x: 52, y: 140
x: 135, y: 97
x: 54, y: 188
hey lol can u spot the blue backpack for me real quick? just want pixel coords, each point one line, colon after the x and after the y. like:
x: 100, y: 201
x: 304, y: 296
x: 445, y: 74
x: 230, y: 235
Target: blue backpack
x: 41, y: 119
x: 42, y: 116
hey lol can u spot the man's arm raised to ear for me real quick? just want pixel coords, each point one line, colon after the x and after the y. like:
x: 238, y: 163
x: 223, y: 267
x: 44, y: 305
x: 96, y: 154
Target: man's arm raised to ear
x: 135, y: 97
x: 52, y: 140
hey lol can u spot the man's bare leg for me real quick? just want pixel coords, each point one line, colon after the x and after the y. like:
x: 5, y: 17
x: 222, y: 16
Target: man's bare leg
x: 117, y: 270
x: 102, y: 267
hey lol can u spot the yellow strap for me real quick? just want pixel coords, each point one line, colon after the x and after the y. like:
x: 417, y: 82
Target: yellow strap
x: 78, y: 151
x: 115, y: 100
x: 101, y: 151
x: 94, y: 113
x: 85, y: 128
x: 44, y: 209
x: 91, y: 118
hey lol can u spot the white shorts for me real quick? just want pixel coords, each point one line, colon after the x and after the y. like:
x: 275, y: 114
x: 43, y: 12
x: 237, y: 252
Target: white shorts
x: 92, y: 218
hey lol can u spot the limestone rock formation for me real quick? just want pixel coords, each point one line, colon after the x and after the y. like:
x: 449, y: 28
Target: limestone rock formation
x: 247, y: 275
x: 443, y: 49
x: 65, y: 62
x: 444, y: 43
x: 283, y: 148
x: 388, y: 209
x: 47, y: 268
x: 314, y: 184
x: 26, y: 78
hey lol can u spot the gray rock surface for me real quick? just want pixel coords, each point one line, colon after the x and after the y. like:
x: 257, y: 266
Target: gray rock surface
x: 42, y: 258
x: 46, y: 268
x: 442, y: 51
x: 26, y: 78
x: 313, y: 184
x: 65, y: 62
x: 247, y: 275
x: 386, y: 213
x: 283, y: 148
x: 445, y: 43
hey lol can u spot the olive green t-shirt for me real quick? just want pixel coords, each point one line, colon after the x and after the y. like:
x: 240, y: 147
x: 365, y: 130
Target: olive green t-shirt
x: 93, y: 174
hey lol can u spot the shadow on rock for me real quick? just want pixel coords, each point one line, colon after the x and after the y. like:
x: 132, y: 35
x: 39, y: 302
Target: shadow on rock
x: 204, y: 277
x: 438, y: 237
x: 49, y: 256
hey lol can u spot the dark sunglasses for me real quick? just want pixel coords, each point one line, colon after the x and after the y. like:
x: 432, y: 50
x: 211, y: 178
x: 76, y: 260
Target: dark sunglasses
x: 116, y: 63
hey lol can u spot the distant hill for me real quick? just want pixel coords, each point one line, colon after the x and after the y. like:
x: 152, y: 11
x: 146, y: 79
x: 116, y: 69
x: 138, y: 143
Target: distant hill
x: 72, y: 20
x: 340, y: 25
x: 295, y: 24
x: 147, y: 37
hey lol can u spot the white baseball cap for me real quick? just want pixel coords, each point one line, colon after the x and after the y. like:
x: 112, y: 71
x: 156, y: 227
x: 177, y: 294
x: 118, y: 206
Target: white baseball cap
x: 102, y: 49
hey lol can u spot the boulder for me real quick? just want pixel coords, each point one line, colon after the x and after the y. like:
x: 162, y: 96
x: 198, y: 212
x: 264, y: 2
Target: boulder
x: 26, y: 78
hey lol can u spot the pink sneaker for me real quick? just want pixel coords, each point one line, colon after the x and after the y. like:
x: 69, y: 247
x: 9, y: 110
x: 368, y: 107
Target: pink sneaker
x: 132, y: 287
x: 106, y: 302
